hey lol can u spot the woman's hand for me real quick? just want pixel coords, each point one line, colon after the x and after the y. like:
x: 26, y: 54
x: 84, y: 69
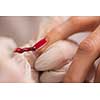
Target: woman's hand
x: 88, y: 50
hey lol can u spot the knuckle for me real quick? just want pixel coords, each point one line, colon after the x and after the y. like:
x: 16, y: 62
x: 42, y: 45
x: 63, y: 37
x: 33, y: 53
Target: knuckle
x: 88, y: 46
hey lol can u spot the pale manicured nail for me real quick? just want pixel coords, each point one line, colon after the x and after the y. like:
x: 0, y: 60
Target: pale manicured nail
x: 54, y: 76
x: 51, y: 77
x: 56, y: 55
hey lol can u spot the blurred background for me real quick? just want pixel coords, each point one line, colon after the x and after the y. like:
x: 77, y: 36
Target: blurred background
x: 20, y: 28
x: 25, y: 28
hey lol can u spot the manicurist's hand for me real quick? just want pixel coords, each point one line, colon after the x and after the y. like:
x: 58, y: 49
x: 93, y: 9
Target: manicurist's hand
x: 88, y: 51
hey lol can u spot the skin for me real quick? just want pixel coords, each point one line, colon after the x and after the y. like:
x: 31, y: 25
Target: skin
x: 69, y: 27
x: 88, y: 50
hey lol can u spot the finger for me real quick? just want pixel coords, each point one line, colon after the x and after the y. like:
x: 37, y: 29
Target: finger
x: 88, y: 51
x: 56, y: 55
x: 69, y: 27
x: 90, y: 75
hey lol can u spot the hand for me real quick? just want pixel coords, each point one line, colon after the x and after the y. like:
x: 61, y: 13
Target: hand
x: 86, y: 55
x: 88, y: 50
x: 71, y: 26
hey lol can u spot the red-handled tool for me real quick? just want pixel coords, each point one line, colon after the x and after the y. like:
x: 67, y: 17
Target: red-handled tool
x: 33, y: 48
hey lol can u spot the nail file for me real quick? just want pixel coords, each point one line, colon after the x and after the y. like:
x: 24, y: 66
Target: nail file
x: 33, y: 48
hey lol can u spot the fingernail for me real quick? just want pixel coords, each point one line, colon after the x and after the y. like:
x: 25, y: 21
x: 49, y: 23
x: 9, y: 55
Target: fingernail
x: 52, y: 77
x: 55, y: 76
x: 55, y: 56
